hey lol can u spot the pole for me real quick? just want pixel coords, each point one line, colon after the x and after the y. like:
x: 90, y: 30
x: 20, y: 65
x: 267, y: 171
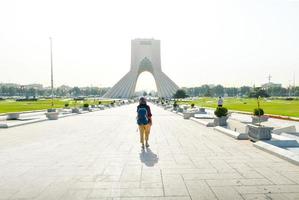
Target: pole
x: 51, y: 55
x: 294, y: 84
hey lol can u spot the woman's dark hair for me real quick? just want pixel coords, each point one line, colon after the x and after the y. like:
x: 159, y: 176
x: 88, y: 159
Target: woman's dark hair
x: 142, y: 100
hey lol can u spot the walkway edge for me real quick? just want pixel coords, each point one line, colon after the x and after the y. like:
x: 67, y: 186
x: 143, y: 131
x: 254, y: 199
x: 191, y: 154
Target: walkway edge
x: 277, y: 151
x: 233, y: 134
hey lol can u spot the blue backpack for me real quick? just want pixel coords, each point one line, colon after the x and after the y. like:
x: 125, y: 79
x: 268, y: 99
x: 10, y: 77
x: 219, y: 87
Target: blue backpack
x: 142, y: 116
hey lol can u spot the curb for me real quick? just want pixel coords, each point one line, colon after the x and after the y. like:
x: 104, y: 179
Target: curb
x: 4, y: 126
x: 277, y: 151
x: 202, y: 122
x: 282, y: 117
x: 233, y: 134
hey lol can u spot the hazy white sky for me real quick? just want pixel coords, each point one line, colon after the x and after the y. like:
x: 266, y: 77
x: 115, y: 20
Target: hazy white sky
x: 202, y: 42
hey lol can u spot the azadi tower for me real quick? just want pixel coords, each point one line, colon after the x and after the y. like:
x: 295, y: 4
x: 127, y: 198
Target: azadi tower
x: 145, y: 56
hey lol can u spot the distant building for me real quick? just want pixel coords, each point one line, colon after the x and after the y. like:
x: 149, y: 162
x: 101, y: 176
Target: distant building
x: 35, y: 86
x: 271, y: 85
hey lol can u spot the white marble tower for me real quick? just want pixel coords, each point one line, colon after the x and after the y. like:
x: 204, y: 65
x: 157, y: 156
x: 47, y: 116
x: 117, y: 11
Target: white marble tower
x: 145, y: 56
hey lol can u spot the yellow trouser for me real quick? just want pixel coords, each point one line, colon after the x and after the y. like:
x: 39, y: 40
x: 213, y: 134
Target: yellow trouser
x: 144, y: 132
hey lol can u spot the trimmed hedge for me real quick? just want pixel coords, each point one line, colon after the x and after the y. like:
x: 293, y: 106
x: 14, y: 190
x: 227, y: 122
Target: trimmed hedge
x: 258, y: 112
x: 221, y: 112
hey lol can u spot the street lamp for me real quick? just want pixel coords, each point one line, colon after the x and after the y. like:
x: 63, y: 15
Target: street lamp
x: 51, y: 56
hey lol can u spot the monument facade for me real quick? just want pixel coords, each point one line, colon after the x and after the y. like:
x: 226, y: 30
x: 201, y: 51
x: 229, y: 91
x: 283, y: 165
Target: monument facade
x: 145, y: 56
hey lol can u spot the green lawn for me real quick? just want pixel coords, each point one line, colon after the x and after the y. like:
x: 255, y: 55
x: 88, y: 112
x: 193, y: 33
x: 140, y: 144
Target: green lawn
x: 9, y: 106
x: 277, y: 107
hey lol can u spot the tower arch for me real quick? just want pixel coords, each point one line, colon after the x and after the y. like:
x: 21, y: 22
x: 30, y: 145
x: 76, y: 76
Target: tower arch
x: 145, y: 56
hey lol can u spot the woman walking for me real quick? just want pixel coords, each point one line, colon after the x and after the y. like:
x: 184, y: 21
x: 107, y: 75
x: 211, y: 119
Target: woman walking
x: 144, y: 121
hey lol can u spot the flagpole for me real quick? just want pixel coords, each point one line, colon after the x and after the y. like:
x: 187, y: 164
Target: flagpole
x: 52, y: 85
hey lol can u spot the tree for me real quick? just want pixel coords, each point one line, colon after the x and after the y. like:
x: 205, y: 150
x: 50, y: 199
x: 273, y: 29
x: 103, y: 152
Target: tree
x: 231, y: 91
x: 218, y: 90
x: 76, y: 91
x: 258, y: 92
x: 208, y: 93
x: 180, y: 94
x: 245, y: 90
x: 144, y: 93
x: 12, y: 91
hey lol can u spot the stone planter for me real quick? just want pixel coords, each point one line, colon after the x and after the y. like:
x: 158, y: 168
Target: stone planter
x: 188, y: 115
x: 256, y: 119
x: 256, y: 133
x: 179, y: 109
x: 75, y: 110
x: 201, y: 111
x: 185, y: 107
x: 52, y: 115
x: 221, y: 121
x: 168, y: 107
x: 85, y: 109
x: 13, y: 116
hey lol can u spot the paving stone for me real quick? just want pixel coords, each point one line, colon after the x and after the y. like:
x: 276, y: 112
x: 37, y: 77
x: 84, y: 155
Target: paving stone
x: 273, y: 176
x: 226, y: 193
x: 200, y: 190
x: 232, y: 182
x: 267, y: 189
x: 256, y: 197
x: 98, y: 156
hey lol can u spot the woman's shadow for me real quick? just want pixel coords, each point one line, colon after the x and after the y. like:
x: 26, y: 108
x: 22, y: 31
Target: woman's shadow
x: 148, y: 157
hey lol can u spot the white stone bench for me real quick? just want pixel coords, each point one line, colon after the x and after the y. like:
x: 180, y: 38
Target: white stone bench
x: 13, y: 116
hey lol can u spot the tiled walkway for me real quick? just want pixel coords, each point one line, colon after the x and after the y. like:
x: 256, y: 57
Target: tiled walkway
x: 97, y: 156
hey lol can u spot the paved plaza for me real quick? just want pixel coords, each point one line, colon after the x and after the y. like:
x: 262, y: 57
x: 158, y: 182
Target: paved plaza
x: 98, y: 156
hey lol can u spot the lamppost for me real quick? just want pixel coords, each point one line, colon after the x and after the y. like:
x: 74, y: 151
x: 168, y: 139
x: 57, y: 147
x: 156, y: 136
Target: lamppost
x: 51, y: 55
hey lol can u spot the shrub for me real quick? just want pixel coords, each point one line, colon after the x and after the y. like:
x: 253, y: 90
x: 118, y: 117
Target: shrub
x: 66, y: 105
x: 86, y: 105
x: 175, y: 104
x: 258, y: 112
x: 100, y: 102
x: 180, y: 94
x: 192, y: 105
x: 221, y: 112
x: 289, y: 98
x: 51, y: 110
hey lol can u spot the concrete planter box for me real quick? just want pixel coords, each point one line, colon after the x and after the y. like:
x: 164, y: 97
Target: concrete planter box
x: 52, y: 115
x: 101, y: 107
x: 220, y: 121
x: 168, y: 107
x: 75, y: 110
x: 188, y: 115
x: 256, y: 133
x: 13, y: 116
x: 85, y: 108
x: 256, y: 119
x: 179, y: 109
x: 185, y: 107
x: 201, y: 111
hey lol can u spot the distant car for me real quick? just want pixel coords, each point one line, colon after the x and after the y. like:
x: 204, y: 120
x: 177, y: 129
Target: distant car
x: 79, y: 98
x: 27, y: 99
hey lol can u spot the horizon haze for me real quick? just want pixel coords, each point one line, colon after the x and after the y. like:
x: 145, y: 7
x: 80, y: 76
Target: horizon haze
x: 232, y: 43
